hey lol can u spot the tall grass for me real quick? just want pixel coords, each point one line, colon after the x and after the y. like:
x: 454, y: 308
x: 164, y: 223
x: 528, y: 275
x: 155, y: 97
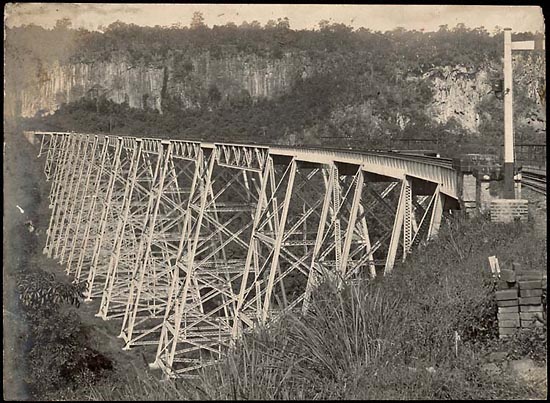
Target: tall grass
x: 392, y: 338
x: 342, y: 334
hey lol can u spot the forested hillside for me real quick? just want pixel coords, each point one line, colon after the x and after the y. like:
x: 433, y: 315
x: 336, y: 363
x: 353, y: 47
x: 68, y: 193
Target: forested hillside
x: 333, y: 85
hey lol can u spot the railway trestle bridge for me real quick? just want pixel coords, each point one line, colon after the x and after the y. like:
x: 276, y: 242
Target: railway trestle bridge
x: 189, y: 244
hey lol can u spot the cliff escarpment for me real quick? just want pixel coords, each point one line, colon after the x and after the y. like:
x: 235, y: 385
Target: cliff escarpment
x: 290, y: 85
x: 190, y: 81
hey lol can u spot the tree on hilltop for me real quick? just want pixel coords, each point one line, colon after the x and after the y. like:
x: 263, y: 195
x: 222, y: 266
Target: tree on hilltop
x: 63, y: 24
x: 197, y: 21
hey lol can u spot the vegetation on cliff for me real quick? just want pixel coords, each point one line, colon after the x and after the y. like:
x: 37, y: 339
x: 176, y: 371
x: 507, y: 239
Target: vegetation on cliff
x: 366, y: 88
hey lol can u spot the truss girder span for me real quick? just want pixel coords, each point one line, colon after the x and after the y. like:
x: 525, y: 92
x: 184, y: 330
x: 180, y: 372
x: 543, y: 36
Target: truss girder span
x: 189, y: 245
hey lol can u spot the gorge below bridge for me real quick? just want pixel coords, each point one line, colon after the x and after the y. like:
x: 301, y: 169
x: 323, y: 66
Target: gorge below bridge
x: 189, y: 244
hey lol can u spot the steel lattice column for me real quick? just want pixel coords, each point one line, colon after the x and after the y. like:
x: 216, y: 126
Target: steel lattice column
x: 78, y: 226
x: 49, y: 144
x: 140, y: 185
x: 218, y: 226
x: 56, y: 162
x: 103, y: 243
x: 85, y: 249
x: 70, y: 198
x: 114, y: 292
x: 283, y: 244
x: 398, y: 224
x: 79, y: 193
x: 179, y: 292
x: 149, y: 307
x: 57, y: 191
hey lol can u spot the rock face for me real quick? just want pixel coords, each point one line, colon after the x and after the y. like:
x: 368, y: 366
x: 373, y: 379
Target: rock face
x: 189, y: 81
x: 138, y: 86
x: 201, y: 80
x: 237, y: 75
x: 457, y: 93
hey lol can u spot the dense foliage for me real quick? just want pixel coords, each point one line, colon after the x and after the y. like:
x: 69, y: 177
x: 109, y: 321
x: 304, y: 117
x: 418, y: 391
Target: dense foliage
x: 39, y: 289
x: 57, y: 343
x: 459, y: 45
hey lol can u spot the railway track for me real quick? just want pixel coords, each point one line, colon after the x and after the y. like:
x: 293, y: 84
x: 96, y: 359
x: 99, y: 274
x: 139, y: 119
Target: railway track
x: 535, y: 180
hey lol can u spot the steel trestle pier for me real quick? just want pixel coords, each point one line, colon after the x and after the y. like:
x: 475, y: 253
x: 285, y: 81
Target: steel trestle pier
x: 189, y: 244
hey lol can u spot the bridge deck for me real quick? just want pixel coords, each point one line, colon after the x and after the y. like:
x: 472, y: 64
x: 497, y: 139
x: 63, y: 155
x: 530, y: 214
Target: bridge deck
x: 384, y: 163
x: 390, y: 164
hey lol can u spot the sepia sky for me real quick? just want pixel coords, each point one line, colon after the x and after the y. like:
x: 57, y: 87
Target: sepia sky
x: 375, y: 17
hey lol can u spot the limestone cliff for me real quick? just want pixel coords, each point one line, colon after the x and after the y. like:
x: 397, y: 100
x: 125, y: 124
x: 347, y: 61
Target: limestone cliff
x: 233, y: 76
x: 188, y: 81
x: 199, y: 80
x: 457, y: 93
x: 139, y: 86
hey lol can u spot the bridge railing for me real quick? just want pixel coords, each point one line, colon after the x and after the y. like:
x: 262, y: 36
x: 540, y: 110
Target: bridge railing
x: 384, y: 163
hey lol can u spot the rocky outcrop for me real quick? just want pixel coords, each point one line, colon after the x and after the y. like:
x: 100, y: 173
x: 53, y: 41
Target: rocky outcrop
x: 202, y: 80
x: 139, y: 86
x: 457, y: 93
x: 190, y: 81
x: 238, y: 75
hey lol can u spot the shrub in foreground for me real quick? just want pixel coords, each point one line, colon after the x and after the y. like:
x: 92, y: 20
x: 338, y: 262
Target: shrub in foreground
x: 419, y: 333
x: 58, y: 354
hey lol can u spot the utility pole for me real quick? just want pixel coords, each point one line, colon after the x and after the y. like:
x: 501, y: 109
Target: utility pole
x: 509, y: 192
x: 508, y: 118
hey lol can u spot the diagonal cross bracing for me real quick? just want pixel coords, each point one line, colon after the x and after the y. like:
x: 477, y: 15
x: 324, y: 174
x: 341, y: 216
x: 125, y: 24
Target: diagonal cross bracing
x: 189, y: 245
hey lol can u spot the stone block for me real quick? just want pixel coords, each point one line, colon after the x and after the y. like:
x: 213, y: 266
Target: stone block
x: 508, y: 309
x: 529, y: 275
x: 478, y: 163
x: 525, y: 293
x: 505, y: 331
x: 509, y: 210
x: 504, y: 295
x: 530, y: 308
x: 508, y: 323
x: 503, y: 285
x: 508, y: 275
x: 528, y: 323
x: 530, y: 301
x: 527, y: 315
x: 508, y: 316
x: 529, y: 285
x: 508, y: 303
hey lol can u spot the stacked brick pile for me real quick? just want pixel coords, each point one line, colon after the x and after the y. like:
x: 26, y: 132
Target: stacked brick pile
x: 519, y: 299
